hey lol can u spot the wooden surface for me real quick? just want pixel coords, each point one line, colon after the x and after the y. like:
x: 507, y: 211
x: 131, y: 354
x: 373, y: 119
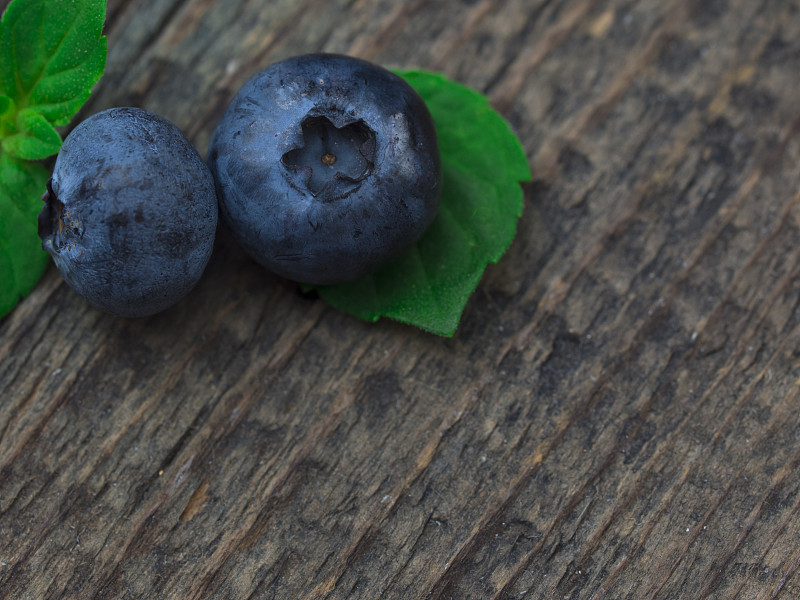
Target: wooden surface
x: 617, y: 416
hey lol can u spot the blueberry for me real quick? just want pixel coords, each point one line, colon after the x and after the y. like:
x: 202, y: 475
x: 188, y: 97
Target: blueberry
x: 326, y: 167
x: 130, y: 213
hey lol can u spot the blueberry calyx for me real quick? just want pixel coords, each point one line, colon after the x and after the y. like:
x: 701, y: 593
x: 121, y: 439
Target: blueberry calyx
x: 51, y: 225
x: 332, y: 161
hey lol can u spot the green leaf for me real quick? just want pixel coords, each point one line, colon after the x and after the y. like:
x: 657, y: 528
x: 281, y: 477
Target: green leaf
x: 483, y: 163
x: 7, y: 107
x: 51, y: 54
x: 22, y: 260
x: 36, y: 138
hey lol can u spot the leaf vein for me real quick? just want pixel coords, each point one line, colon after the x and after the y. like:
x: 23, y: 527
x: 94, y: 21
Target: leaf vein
x: 46, y: 63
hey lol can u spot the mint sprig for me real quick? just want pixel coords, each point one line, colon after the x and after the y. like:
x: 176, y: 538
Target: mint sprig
x: 483, y: 164
x: 52, y: 52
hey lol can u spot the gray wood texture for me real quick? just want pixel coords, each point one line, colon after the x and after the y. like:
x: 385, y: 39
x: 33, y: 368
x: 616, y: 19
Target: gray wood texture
x: 618, y: 415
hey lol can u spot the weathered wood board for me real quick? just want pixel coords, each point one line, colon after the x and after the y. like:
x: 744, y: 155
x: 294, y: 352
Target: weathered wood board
x: 618, y: 415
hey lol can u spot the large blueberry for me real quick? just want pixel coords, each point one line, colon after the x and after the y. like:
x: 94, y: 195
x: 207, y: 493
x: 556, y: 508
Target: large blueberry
x: 327, y: 167
x: 131, y: 212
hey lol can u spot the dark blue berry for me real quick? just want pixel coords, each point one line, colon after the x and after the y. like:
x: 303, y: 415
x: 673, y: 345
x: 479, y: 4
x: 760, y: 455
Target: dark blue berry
x: 326, y: 167
x: 131, y: 212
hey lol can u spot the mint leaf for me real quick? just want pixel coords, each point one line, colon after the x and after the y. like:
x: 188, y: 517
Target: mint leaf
x: 36, y: 139
x: 483, y: 163
x: 7, y: 107
x: 51, y: 54
x: 22, y: 260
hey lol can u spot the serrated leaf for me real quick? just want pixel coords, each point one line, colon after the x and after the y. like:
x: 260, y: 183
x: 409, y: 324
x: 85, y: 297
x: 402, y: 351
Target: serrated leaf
x: 35, y: 138
x: 483, y: 163
x: 51, y: 54
x: 22, y: 260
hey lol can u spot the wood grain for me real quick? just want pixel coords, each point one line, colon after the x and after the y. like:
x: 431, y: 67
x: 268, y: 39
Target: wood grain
x: 617, y: 416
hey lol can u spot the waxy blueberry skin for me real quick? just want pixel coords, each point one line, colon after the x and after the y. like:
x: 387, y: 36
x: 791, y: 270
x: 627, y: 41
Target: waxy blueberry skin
x: 131, y: 212
x: 326, y: 167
